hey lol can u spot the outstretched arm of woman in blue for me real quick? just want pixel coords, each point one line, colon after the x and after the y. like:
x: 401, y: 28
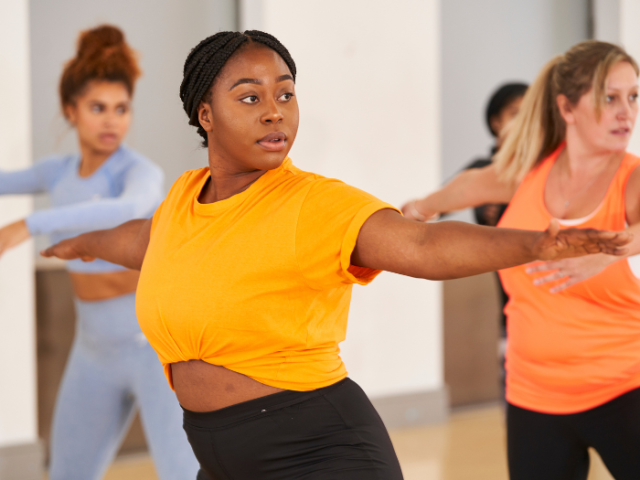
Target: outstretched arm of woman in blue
x: 141, y: 192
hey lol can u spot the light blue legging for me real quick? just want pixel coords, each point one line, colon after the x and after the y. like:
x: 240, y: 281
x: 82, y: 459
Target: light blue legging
x: 111, y: 370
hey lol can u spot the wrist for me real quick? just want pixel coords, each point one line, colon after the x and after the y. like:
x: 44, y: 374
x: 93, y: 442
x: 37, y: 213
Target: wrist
x: 533, y: 246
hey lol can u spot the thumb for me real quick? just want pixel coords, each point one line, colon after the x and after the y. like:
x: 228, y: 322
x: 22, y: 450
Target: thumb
x: 553, y: 228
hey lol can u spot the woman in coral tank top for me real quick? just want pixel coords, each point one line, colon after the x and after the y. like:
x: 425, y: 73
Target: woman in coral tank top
x: 573, y: 357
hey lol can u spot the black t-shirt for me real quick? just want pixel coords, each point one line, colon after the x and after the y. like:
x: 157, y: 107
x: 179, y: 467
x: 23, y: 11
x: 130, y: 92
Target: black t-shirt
x: 491, y: 213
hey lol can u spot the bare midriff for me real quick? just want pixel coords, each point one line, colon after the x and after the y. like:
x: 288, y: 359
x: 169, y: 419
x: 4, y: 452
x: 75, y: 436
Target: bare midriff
x: 203, y: 387
x: 94, y: 287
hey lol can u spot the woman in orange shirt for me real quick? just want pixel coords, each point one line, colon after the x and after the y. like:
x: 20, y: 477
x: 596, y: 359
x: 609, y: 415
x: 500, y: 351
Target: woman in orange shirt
x: 573, y: 363
x: 248, y: 270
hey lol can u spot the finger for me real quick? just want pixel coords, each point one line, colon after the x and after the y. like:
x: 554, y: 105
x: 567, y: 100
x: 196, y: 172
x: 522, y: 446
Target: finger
x: 553, y: 228
x: 613, y: 238
x: 564, y: 285
x: 549, y: 278
x: 618, y: 251
x: 542, y: 267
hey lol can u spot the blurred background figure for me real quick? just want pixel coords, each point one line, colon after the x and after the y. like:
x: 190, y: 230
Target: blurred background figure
x: 501, y: 110
x: 112, y: 370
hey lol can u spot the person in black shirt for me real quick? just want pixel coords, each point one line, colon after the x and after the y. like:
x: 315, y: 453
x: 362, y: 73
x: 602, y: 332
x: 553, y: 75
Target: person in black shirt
x: 502, y: 108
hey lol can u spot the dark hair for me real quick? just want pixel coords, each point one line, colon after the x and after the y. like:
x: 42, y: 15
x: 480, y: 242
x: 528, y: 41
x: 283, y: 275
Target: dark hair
x: 102, y: 54
x: 206, y: 60
x: 501, y: 98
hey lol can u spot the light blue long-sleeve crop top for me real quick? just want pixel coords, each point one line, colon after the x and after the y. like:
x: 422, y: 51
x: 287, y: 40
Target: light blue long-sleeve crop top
x: 125, y: 187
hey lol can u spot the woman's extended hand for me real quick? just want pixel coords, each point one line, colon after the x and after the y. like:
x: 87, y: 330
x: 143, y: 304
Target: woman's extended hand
x: 411, y: 212
x: 124, y: 245
x: 556, y: 244
x: 12, y: 235
x: 570, y: 270
x: 70, y: 249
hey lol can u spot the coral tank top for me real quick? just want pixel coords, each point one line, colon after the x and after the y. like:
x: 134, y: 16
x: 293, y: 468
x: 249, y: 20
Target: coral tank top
x: 571, y: 351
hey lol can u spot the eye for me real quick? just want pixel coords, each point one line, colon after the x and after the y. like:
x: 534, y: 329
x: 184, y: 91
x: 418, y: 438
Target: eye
x: 250, y: 99
x: 610, y: 98
x: 121, y: 110
x: 285, y: 97
x: 97, y: 108
x: 633, y: 97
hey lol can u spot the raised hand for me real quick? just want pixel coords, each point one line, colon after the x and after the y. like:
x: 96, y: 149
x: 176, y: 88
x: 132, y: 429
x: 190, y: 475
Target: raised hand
x: 556, y: 244
x: 70, y: 249
x: 570, y: 271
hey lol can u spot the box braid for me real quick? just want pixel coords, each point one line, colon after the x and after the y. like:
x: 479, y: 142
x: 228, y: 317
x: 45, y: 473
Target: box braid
x: 206, y: 60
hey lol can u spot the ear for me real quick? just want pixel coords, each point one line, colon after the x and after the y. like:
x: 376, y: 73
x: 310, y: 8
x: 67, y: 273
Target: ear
x: 496, y: 124
x: 71, y: 114
x: 205, y: 116
x: 565, y: 108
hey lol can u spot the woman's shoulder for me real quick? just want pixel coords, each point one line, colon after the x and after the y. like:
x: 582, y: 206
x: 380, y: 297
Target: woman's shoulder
x: 327, y: 190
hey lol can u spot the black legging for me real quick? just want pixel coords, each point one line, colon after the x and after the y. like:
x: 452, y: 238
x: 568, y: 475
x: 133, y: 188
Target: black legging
x: 555, y: 447
x: 333, y: 433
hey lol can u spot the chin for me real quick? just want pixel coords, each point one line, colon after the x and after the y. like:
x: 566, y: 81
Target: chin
x: 271, y: 160
x: 106, y: 149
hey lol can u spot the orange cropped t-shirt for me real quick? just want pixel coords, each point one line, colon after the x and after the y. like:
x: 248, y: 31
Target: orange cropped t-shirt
x: 574, y: 350
x: 259, y: 283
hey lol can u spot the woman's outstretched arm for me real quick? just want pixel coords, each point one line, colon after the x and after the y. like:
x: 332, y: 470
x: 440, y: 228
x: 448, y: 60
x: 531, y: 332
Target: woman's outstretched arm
x: 445, y: 250
x: 124, y: 245
x: 469, y: 188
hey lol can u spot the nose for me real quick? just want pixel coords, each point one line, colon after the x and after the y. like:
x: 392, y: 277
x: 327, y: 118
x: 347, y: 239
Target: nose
x: 272, y: 114
x: 110, y: 118
x: 626, y: 110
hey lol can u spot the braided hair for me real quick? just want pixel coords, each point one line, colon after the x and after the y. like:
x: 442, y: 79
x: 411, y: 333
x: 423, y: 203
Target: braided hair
x: 206, y: 60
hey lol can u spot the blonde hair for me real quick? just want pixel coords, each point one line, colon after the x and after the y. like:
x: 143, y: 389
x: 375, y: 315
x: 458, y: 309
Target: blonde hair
x: 539, y: 129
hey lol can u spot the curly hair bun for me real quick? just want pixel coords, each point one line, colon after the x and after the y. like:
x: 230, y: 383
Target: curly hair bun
x: 102, y: 54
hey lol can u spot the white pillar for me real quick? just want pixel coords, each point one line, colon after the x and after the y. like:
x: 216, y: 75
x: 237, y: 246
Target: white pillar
x: 369, y: 93
x: 19, y: 450
x: 630, y: 39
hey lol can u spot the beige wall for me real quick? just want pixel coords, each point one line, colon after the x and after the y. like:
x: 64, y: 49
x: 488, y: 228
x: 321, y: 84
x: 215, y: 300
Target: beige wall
x: 18, y: 423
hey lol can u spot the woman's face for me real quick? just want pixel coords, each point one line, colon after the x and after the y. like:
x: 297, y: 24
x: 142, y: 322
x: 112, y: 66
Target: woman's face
x: 612, y: 131
x: 252, y: 119
x: 503, y: 119
x: 101, y: 115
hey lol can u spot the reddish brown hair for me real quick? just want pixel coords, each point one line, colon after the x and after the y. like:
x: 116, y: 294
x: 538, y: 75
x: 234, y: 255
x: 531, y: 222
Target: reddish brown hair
x: 102, y: 54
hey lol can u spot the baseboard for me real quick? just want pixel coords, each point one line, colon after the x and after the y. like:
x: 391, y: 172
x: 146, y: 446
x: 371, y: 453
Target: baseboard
x: 22, y: 462
x: 413, y: 409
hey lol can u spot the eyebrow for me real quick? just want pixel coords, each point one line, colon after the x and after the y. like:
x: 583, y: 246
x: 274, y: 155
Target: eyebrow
x: 256, y: 81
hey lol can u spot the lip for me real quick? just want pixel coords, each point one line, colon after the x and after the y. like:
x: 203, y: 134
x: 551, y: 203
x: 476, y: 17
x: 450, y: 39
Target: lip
x: 273, y: 142
x: 108, y: 137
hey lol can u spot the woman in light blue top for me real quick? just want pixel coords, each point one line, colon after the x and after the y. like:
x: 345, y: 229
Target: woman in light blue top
x: 111, y: 368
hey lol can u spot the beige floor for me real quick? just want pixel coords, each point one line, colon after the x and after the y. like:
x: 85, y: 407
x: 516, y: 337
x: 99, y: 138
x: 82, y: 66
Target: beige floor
x: 470, y: 446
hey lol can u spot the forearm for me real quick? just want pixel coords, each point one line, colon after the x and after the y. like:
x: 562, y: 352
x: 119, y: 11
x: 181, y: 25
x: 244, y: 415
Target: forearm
x: 92, y: 216
x: 123, y: 245
x: 448, y: 250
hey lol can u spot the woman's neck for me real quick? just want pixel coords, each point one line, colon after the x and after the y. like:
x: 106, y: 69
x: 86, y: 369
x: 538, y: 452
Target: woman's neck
x: 91, y: 160
x: 583, y: 160
x: 227, y: 180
